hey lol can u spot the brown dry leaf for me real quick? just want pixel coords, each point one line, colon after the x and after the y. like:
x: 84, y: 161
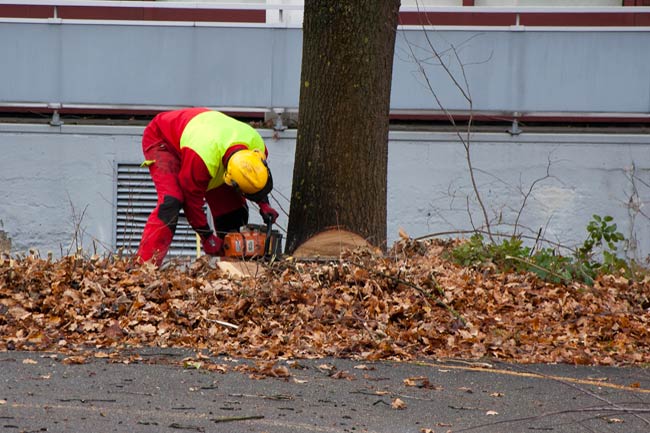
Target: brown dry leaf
x: 77, y: 359
x: 19, y: 313
x: 410, y: 382
x: 398, y: 404
x: 146, y: 328
x: 364, y: 367
x: 420, y: 382
x: 343, y: 374
x: 326, y: 367
x: 29, y: 361
x: 263, y: 370
x: 219, y: 368
x: 492, y: 413
x: 281, y: 371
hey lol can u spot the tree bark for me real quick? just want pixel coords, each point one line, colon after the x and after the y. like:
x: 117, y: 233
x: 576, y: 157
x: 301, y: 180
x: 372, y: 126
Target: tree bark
x: 340, y: 169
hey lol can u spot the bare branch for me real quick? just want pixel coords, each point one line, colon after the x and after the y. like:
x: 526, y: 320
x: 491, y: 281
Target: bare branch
x: 529, y: 192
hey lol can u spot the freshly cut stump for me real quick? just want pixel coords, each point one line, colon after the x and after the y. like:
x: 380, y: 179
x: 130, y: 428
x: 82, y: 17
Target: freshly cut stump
x: 238, y: 269
x: 330, y: 243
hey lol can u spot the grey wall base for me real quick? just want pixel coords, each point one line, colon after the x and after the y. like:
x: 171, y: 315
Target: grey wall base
x: 58, y: 191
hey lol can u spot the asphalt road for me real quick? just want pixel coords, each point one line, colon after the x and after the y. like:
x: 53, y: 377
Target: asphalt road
x: 40, y: 393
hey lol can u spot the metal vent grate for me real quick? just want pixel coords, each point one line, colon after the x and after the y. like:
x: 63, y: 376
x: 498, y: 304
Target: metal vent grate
x: 136, y: 199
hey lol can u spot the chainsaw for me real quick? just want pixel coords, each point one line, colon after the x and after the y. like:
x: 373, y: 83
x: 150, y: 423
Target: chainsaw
x: 253, y: 241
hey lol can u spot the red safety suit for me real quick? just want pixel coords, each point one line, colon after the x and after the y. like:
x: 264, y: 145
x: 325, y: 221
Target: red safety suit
x: 187, y: 151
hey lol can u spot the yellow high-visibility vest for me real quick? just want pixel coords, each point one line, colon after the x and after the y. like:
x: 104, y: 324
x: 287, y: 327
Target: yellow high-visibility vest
x: 211, y: 133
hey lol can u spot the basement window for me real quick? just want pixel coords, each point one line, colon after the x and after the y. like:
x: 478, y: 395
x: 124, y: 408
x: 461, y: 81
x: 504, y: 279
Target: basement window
x: 136, y: 199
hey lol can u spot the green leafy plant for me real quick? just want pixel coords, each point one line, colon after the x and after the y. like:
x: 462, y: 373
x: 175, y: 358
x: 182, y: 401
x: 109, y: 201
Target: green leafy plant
x: 470, y: 253
x: 511, y: 255
x: 603, y: 237
x: 476, y: 252
x: 552, y: 266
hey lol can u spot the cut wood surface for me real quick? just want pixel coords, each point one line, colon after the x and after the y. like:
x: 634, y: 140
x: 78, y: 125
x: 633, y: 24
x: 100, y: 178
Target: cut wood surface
x: 330, y: 243
x: 240, y: 268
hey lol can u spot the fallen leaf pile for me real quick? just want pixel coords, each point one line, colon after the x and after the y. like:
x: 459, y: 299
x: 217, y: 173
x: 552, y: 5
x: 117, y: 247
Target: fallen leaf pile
x: 410, y: 303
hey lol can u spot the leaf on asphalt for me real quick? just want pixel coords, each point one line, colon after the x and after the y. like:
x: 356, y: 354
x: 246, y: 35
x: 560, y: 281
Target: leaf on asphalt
x: 294, y: 364
x: 326, y: 367
x: 343, y: 374
x: 492, y: 412
x: 280, y: 371
x: 264, y: 369
x: 364, y: 367
x: 398, y: 404
x: 410, y: 381
x: 420, y: 382
x: 192, y: 365
x: 50, y: 355
x: 615, y: 421
x: 219, y: 368
x: 29, y: 361
x: 77, y: 359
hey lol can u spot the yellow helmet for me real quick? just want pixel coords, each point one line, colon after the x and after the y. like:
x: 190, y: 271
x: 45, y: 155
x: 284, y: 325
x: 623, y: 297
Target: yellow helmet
x: 247, y: 171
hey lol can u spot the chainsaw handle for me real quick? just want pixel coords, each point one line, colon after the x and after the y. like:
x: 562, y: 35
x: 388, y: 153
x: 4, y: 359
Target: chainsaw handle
x: 268, y: 219
x: 267, y: 241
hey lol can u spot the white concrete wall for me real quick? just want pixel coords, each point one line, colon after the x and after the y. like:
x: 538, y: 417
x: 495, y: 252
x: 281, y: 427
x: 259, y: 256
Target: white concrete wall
x: 57, y: 183
x: 588, y: 174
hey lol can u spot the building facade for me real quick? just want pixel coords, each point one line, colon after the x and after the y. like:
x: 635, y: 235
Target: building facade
x: 560, y: 98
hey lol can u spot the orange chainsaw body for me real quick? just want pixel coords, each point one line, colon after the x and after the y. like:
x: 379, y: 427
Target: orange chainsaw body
x: 250, y: 241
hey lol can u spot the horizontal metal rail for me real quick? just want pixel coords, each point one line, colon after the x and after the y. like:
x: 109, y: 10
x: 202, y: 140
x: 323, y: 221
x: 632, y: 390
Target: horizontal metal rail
x: 151, y: 5
x: 276, y: 6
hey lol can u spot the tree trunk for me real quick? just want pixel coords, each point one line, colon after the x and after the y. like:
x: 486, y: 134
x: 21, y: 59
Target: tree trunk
x: 340, y: 170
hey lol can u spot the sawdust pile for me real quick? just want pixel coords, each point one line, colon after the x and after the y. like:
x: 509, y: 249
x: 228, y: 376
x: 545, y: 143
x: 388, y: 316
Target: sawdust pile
x: 409, y: 304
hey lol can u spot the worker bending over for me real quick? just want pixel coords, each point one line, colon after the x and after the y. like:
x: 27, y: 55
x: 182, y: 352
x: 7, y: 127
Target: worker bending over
x: 197, y: 154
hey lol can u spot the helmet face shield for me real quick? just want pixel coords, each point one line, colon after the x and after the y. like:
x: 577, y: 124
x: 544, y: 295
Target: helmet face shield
x: 262, y: 194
